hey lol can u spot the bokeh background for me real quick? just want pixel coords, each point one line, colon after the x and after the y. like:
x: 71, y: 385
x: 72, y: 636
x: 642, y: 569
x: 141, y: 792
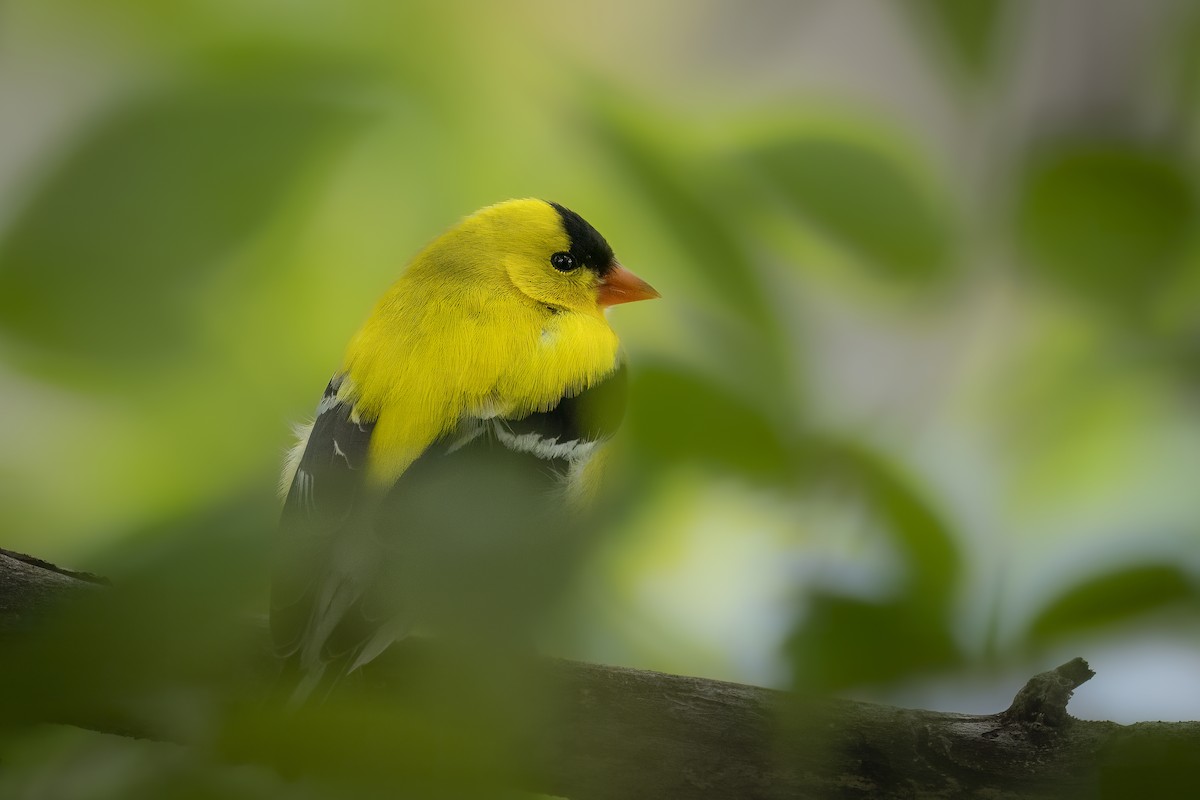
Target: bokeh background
x: 917, y: 416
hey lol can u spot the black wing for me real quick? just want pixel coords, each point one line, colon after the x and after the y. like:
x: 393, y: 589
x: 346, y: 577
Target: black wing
x: 323, y: 504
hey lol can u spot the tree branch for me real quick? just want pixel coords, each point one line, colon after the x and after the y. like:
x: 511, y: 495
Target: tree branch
x: 611, y: 732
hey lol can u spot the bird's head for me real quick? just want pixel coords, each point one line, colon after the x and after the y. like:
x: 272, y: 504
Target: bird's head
x: 554, y: 257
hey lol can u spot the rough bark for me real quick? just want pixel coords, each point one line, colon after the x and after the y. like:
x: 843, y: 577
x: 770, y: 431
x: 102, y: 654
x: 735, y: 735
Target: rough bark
x: 612, y: 732
x: 31, y: 587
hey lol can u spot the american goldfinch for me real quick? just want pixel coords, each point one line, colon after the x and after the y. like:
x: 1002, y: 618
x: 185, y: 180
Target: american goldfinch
x: 494, y: 339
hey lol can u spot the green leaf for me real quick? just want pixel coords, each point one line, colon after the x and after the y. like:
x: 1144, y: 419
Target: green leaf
x: 1142, y: 767
x: 932, y: 561
x: 1107, y: 222
x: 105, y: 260
x: 678, y: 416
x: 968, y: 29
x: 844, y: 642
x: 864, y: 197
x: 1113, y: 598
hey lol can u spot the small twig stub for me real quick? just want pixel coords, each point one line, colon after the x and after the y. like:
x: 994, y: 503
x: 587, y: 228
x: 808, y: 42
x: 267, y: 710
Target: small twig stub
x: 1043, y: 700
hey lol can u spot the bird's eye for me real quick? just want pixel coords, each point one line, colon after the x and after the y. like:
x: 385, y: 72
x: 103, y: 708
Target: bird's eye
x: 563, y: 262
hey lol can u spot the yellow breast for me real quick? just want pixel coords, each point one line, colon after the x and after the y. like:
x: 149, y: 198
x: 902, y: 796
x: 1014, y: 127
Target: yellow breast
x: 428, y: 358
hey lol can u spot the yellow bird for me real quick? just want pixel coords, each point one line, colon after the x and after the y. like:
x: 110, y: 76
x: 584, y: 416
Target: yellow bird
x: 494, y: 339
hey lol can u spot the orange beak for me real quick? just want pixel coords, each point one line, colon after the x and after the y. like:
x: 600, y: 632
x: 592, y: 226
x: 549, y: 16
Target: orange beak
x: 619, y: 285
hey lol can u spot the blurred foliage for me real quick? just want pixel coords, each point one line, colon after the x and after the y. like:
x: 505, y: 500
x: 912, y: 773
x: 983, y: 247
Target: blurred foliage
x: 1142, y: 769
x: 671, y: 421
x: 105, y: 260
x: 843, y: 641
x: 968, y: 29
x: 1143, y: 202
x: 894, y: 226
x: 1118, y: 596
x: 961, y: 313
x: 708, y: 242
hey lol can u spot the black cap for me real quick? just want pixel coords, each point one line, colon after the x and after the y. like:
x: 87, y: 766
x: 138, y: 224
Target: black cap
x: 588, y: 247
